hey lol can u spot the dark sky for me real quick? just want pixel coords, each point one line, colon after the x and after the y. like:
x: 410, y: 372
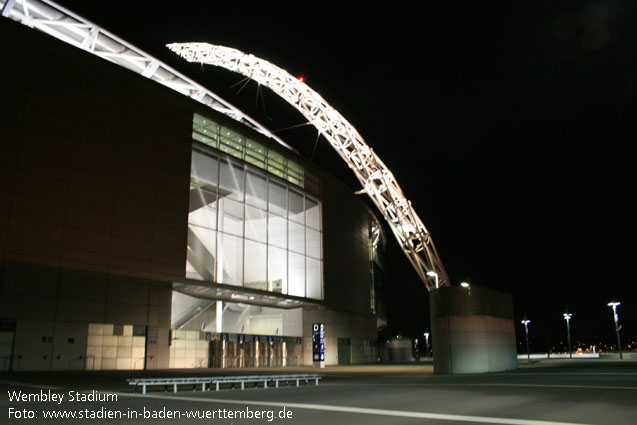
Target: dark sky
x: 511, y: 131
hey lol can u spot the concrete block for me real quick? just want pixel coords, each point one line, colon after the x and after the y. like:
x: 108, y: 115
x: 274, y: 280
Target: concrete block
x: 472, y: 330
x: 109, y: 363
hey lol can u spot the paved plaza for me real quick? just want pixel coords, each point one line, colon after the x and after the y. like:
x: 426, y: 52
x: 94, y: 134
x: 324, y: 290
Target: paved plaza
x: 599, y: 392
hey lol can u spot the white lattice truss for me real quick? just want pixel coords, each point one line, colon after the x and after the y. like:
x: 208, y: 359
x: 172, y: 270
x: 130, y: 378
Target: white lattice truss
x: 73, y: 29
x: 377, y: 181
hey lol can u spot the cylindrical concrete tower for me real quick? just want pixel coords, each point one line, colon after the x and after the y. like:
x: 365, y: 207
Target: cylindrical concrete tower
x: 473, y: 330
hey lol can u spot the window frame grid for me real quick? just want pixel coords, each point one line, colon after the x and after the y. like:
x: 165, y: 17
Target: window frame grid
x: 289, y: 187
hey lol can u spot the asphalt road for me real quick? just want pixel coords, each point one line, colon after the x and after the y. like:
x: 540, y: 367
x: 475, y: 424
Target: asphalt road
x: 554, y: 392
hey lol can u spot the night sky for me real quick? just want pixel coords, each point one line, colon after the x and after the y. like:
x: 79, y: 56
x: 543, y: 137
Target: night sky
x: 511, y: 131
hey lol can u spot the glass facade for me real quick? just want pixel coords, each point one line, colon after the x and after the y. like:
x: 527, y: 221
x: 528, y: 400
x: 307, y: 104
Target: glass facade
x: 232, y: 143
x: 250, y: 229
x: 377, y: 263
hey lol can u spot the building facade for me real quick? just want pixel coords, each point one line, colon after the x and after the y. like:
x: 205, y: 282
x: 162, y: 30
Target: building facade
x: 140, y: 229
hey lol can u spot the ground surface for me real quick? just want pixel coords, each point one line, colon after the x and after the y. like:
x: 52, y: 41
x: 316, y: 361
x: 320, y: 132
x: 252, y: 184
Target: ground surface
x: 560, y: 391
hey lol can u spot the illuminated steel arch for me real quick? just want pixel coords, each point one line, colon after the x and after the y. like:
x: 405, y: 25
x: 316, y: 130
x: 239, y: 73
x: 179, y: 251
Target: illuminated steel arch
x: 378, y: 182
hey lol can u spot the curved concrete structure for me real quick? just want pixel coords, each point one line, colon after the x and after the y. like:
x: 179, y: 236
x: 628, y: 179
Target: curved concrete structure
x: 473, y: 330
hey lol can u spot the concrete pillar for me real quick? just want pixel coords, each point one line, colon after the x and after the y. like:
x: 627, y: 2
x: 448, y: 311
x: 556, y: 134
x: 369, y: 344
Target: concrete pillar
x: 472, y: 330
x: 219, y: 317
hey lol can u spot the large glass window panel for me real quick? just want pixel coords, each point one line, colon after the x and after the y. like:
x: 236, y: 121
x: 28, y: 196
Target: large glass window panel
x: 191, y: 272
x: 205, y: 131
x: 312, y: 214
x: 278, y: 231
x: 313, y: 275
x: 277, y: 269
x: 230, y: 260
x: 296, y: 274
x: 231, y: 217
x: 276, y: 164
x: 295, y: 173
x: 277, y: 199
x: 256, y: 191
x: 252, y: 152
x: 247, y: 229
x: 196, y: 121
x: 296, y: 237
x: 256, y: 224
x: 206, y: 139
x: 205, y: 171
x: 201, y: 253
x: 232, y: 143
x: 232, y: 181
x: 254, y: 275
x: 255, y: 154
x: 203, y: 208
x: 296, y: 208
x: 295, y: 181
x: 313, y: 243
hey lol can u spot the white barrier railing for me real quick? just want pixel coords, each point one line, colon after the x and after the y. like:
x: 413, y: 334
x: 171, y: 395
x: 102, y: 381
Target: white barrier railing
x: 217, y: 381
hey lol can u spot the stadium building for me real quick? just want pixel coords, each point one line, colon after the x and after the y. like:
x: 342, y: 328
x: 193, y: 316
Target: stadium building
x: 146, y: 223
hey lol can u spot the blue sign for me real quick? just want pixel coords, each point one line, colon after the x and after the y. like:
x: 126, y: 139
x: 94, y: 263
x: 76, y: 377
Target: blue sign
x: 318, y: 342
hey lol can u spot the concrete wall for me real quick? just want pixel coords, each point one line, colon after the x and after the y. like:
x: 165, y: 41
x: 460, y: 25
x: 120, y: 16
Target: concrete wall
x: 472, y: 330
x: 398, y: 351
x: 359, y: 329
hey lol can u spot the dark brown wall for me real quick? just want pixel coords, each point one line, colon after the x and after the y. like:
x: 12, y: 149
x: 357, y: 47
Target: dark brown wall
x: 94, y: 172
x: 346, y: 265
x: 94, y: 178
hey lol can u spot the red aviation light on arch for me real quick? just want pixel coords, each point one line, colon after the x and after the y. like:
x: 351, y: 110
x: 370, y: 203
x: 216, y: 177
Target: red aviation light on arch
x: 377, y: 181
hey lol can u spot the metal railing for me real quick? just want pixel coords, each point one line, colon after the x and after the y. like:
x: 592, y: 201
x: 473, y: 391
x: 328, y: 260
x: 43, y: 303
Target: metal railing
x: 208, y: 381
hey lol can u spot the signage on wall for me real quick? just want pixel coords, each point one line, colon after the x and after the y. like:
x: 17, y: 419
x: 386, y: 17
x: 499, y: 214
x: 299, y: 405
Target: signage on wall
x: 318, y: 344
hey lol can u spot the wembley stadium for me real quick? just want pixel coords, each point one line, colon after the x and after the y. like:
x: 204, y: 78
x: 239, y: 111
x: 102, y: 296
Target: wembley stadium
x: 147, y: 223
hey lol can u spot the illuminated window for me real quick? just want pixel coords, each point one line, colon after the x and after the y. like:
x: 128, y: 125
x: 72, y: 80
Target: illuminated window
x: 248, y: 228
x: 232, y: 143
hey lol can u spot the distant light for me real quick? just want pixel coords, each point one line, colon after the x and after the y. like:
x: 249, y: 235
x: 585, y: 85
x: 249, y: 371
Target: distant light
x: 567, y: 316
x: 464, y: 284
x: 302, y: 79
x: 525, y: 322
x: 432, y: 274
x: 614, y: 303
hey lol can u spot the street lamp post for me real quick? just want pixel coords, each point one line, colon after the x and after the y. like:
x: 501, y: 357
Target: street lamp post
x: 526, y: 322
x: 427, y: 343
x: 613, y: 305
x: 567, y: 317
